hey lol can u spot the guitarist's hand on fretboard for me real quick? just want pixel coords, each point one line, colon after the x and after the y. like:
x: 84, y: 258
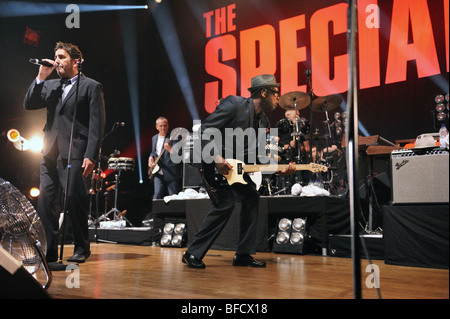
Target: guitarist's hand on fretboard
x: 289, y: 170
x: 151, y: 163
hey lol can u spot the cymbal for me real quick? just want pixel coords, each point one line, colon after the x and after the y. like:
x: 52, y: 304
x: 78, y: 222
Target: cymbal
x: 289, y: 100
x: 326, y: 103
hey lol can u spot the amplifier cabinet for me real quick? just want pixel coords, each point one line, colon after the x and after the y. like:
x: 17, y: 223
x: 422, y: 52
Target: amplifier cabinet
x: 191, y: 175
x: 420, y: 176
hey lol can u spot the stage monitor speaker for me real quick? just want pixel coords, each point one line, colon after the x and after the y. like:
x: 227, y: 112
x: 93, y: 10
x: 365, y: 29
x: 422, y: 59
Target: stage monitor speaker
x: 420, y: 176
x: 16, y: 282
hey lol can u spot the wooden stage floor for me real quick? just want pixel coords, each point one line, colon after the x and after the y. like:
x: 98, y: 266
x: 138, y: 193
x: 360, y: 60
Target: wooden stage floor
x: 147, y: 272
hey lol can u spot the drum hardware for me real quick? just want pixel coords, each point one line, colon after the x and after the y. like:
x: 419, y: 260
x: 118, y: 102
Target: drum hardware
x: 296, y: 101
x: 119, y: 164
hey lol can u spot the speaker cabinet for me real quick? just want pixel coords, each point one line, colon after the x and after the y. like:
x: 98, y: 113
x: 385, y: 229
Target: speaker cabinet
x: 420, y: 176
x: 16, y: 282
x: 191, y: 174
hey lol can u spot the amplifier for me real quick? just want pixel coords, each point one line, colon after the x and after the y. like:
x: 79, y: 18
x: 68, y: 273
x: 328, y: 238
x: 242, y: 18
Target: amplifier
x: 191, y: 174
x: 420, y: 176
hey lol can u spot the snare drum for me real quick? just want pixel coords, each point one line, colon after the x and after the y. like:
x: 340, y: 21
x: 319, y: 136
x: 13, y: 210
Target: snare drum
x: 121, y: 163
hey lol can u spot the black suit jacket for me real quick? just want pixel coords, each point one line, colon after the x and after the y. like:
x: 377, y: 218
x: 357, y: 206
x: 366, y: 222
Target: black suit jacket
x: 233, y: 112
x: 171, y: 171
x: 90, y: 120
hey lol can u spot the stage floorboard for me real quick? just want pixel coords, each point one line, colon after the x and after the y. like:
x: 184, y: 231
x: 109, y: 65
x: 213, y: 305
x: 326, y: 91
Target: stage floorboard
x: 147, y: 272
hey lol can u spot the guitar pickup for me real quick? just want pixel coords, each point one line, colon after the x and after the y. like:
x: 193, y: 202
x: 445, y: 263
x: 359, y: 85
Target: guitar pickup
x: 240, y: 169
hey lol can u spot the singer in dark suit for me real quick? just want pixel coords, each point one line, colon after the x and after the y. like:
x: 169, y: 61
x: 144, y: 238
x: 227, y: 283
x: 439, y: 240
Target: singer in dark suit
x: 236, y: 113
x: 58, y: 96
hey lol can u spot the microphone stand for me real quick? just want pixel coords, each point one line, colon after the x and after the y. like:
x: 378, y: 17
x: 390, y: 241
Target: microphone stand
x: 352, y: 146
x: 99, y: 170
x: 69, y: 166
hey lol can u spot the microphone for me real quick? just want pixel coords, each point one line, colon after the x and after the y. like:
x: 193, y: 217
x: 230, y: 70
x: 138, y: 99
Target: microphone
x: 308, y: 73
x: 40, y: 62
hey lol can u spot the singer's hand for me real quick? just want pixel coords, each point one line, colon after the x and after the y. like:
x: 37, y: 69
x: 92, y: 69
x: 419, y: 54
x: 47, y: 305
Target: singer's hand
x: 88, y: 166
x: 45, y: 71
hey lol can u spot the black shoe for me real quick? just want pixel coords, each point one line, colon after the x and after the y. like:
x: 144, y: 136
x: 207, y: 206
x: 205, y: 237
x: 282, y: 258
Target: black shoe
x: 77, y: 258
x: 192, y: 261
x: 247, y: 260
x: 56, y: 266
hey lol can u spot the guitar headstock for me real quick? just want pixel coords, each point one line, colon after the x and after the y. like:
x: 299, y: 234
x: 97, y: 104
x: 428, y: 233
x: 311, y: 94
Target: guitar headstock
x: 313, y: 167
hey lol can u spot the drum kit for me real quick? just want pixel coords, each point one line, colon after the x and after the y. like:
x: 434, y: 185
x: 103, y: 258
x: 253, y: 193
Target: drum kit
x: 297, y: 142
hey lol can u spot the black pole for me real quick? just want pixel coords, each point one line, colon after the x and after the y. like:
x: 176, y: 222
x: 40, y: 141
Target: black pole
x: 69, y: 166
x: 352, y: 147
x: 311, y: 95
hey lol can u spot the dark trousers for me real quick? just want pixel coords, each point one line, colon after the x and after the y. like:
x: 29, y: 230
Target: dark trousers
x: 53, y: 175
x: 163, y: 188
x: 219, y: 214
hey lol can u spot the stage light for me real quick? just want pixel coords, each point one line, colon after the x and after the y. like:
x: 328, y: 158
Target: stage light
x: 285, y: 224
x: 129, y: 38
x: 34, y: 192
x: 282, y: 237
x: 290, y: 235
x: 174, y: 234
x: 36, y: 144
x: 440, y: 109
x: 13, y: 135
x: 296, y: 239
x: 298, y: 224
x: 18, y: 141
x: 439, y: 98
x: 22, y: 8
x: 169, y: 36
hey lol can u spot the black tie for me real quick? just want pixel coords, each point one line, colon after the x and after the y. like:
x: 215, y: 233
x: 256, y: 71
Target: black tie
x: 65, y: 82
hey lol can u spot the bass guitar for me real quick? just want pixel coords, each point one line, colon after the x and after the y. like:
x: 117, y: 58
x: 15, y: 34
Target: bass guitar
x: 235, y: 175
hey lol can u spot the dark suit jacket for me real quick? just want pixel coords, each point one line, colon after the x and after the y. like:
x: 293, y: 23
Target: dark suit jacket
x: 171, y: 171
x: 90, y: 120
x: 233, y: 112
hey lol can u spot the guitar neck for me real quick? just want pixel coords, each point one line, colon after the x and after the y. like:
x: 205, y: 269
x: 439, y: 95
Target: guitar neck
x: 160, y: 155
x: 274, y: 167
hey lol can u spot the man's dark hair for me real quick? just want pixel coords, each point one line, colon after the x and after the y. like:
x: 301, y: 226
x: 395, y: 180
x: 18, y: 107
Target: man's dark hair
x: 72, y: 49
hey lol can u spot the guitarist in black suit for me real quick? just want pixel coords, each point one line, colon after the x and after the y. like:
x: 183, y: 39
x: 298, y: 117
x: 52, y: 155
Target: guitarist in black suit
x: 233, y: 112
x: 58, y: 97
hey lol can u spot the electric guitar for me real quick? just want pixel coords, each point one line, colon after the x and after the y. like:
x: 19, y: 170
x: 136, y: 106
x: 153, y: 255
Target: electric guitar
x: 176, y: 134
x: 156, y: 169
x: 235, y: 175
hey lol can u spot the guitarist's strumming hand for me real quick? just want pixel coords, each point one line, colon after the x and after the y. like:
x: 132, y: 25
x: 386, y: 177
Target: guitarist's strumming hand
x: 168, y: 147
x: 222, y: 165
x: 151, y: 163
